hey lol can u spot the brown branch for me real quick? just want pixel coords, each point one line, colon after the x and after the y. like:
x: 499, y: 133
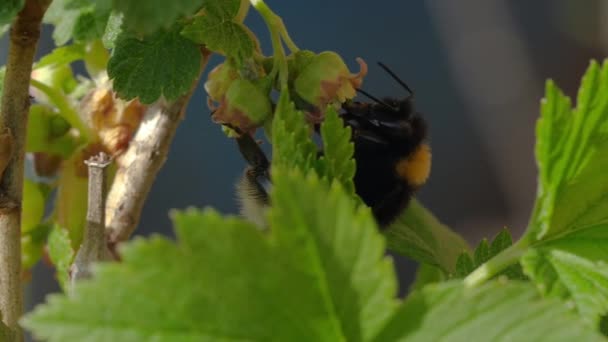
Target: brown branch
x: 24, y: 36
x: 94, y: 247
x: 139, y: 165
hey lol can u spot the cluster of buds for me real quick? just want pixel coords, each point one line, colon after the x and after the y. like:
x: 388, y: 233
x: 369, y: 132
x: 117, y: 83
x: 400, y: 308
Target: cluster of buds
x: 113, y: 119
x: 240, y: 98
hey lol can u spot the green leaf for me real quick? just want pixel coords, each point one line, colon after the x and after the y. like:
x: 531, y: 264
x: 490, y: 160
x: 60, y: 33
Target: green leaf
x: 9, y: 9
x: 78, y: 20
x: 150, y: 16
x: 91, y: 24
x: 425, y: 275
x: 568, y: 228
x: 62, y: 56
x: 225, y: 36
x: 292, y: 146
x: 337, y: 160
x: 341, y: 248
x: 32, y: 244
x: 508, y: 311
x: 573, y: 268
x: 482, y: 253
x: 500, y: 242
x: 163, y: 64
x: 319, y: 274
x: 61, y: 254
x: 572, y: 156
x: 464, y: 265
x: 419, y: 235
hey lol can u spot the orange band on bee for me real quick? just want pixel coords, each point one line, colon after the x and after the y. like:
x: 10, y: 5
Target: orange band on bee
x: 415, y: 169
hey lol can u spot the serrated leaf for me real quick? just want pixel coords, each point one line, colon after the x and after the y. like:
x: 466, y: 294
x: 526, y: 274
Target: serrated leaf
x: 62, y: 55
x: 567, y: 229
x: 61, y: 254
x: 572, y: 156
x: 9, y: 9
x: 150, y: 16
x: 500, y: 242
x: 221, y: 35
x: 163, y: 64
x: 573, y: 267
x: 482, y: 252
x: 358, y: 286
x: 464, y: 265
x: 419, y: 235
x: 509, y: 311
x: 292, y: 146
x: 337, y: 160
x: 224, y: 279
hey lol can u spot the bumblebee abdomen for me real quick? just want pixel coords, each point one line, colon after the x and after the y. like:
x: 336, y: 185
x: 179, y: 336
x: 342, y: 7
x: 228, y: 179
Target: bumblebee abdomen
x: 416, y: 167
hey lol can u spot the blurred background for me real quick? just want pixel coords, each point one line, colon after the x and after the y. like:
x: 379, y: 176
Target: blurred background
x: 478, y: 70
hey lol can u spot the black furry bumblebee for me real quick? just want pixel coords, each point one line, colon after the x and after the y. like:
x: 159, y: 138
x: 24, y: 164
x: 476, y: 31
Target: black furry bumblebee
x: 392, y: 156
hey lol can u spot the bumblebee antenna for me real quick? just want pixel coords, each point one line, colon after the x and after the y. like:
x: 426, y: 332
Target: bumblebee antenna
x: 396, y: 78
x: 375, y: 99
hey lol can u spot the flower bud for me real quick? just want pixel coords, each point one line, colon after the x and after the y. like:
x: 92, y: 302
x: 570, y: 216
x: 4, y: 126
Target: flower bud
x: 326, y: 80
x: 245, y: 106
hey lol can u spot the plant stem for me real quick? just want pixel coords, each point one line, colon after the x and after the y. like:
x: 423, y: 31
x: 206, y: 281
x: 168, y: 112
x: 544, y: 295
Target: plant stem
x: 24, y: 36
x: 498, y: 263
x: 139, y: 165
x: 66, y: 109
x: 275, y: 26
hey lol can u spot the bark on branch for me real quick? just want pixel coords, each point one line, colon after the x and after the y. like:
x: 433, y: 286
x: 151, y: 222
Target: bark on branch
x: 139, y: 165
x: 24, y: 36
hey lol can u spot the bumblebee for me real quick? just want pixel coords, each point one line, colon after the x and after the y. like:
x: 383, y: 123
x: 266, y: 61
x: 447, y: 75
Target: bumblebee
x: 393, y: 158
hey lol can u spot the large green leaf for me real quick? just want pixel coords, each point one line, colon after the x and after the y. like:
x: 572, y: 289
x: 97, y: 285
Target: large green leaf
x: 319, y: 274
x: 162, y: 64
x: 494, y: 312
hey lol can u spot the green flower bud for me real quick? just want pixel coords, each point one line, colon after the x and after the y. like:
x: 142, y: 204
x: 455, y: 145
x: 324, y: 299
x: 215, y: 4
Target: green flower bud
x: 327, y: 80
x: 245, y: 106
x: 220, y: 79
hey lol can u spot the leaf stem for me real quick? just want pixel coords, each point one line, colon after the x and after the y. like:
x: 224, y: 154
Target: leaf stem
x: 498, y: 263
x: 65, y: 108
x: 277, y: 29
x: 15, y: 104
